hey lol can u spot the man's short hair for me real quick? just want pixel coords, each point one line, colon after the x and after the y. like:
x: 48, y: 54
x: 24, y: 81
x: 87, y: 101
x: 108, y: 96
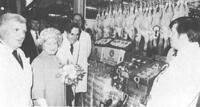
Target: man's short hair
x: 7, y: 17
x: 71, y: 26
x: 77, y: 14
x: 82, y: 19
x: 11, y: 16
x: 189, y: 26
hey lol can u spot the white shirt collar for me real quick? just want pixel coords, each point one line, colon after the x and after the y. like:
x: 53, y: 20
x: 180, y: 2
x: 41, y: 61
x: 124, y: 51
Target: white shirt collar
x: 189, y: 48
x: 9, y: 49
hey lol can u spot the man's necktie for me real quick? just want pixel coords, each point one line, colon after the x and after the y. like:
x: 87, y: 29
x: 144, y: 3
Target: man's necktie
x: 71, y: 48
x: 37, y: 34
x: 18, y: 58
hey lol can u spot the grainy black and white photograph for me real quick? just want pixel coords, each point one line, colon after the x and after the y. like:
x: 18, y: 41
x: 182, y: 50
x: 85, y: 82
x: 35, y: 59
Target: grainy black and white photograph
x: 99, y: 53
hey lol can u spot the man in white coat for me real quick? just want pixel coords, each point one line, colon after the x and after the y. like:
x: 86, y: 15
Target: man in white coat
x: 15, y: 69
x: 179, y: 85
x: 69, y: 54
x: 85, y: 50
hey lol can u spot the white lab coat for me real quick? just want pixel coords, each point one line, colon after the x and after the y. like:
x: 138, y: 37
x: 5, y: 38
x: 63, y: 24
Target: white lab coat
x: 84, y: 53
x: 64, y: 53
x: 15, y: 82
x: 82, y: 49
x: 179, y: 85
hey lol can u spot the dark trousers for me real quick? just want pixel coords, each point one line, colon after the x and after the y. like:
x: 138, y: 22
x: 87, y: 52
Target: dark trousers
x: 79, y: 99
x: 69, y: 95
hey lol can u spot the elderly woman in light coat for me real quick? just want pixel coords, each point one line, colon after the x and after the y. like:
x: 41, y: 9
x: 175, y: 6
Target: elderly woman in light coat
x: 48, y: 90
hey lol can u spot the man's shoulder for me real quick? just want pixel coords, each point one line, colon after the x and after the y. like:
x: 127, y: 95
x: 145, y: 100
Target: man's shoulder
x: 84, y: 33
x: 65, y: 41
x: 3, y: 48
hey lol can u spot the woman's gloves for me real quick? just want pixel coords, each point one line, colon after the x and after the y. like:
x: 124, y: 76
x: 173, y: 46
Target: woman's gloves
x: 42, y: 102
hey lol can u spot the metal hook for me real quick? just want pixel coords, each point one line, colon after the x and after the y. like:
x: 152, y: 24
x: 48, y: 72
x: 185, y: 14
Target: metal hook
x: 137, y: 81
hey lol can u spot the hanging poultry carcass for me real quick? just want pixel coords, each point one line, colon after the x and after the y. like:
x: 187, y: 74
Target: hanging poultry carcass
x: 112, y: 22
x: 125, y: 23
x: 117, y: 21
x: 132, y: 30
x: 186, y: 8
x: 181, y: 9
x: 147, y: 27
x: 128, y: 22
x: 115, y: 15
x: 156, y: 23
x: 107, y: 24
x: 165, y: 21
x: 137, y: 25
x: 97, y: 27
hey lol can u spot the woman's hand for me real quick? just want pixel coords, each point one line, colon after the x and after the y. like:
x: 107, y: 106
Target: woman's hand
x: 66, y: 71
x: 42, y: 102
x: 78, y: 68
x: 71, y: 73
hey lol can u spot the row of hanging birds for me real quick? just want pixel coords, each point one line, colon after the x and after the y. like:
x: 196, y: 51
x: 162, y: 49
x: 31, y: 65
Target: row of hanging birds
x: 150, y: 22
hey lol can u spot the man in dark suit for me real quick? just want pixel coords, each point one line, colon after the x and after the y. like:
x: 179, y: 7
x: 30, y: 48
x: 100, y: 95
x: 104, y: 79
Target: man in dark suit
x: 29, y: 45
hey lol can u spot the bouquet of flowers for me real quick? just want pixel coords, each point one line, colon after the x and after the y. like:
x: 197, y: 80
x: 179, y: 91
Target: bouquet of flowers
x: 72, y: 74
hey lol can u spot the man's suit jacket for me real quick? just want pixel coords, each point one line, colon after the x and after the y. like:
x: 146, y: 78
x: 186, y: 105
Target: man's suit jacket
x: 15, y: 81
x: 29, y: 46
